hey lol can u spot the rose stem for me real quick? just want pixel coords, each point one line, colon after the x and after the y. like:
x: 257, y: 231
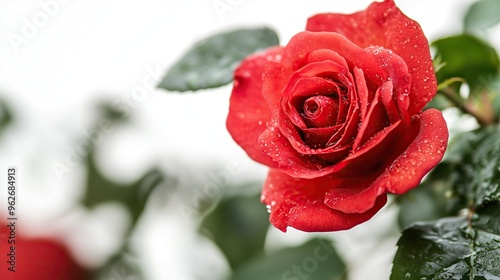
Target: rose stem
x: 451, y: 95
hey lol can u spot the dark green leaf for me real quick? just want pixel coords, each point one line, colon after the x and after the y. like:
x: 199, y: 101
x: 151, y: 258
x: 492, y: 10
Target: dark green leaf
x: 238, y: 225
x: 482, y: 14
x: 451, y: 248
x: 476, y: 156
x: 467, y: 57
x: 316, y: 260
x: 211, y: 62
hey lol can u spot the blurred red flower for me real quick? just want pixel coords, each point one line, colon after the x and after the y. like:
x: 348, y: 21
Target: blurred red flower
x: 40, y: 259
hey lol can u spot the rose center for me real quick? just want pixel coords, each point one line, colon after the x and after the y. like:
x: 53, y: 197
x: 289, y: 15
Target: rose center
x: 311, y: 107
x: 320, y: 111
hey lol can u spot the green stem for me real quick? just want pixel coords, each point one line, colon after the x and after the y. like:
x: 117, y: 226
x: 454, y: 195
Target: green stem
x: 452, y: 96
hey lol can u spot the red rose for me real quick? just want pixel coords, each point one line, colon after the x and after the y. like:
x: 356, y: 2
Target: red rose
x: 41, y: 259
x: 337, y: 116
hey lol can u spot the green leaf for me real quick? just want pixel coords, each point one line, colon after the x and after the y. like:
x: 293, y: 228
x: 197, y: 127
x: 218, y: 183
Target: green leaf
x: 211, y: 62
x: 482, y: 14
x: 315, y: 259
x: 476, y: 156
x: 451, y: 248
x: 238, y: 225
x: 467, y: 57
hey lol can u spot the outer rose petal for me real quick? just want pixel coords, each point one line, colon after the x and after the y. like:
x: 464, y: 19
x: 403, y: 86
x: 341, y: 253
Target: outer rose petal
x: 405, y: 173
x: 421, y: 156
x: 383, y: 24
x: 248, y: 112
x: 299, y: 203
x: 303, y: 43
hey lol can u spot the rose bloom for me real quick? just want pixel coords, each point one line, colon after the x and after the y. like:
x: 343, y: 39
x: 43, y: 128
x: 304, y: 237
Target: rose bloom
x: 337, y: 116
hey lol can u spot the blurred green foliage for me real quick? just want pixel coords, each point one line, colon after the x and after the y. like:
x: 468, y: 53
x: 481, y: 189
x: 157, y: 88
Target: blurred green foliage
x: 481, y: 15
x: 6, y: 116
x: 316, y: 259
x: 238, y: 225
x: 467, y: 57
x: 451, y: 248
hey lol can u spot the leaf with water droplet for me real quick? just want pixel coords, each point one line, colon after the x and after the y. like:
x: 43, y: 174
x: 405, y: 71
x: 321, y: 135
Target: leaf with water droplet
x: 211, y: 62
x: 445, y: 250
x: 475, y: 157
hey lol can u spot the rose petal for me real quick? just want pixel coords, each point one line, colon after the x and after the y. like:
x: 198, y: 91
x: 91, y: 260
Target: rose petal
x: 383, y: 24
x: 386, y: 94
x: 349, y: 116
x: 274, y: 144
x: 274, y: 80
x: 353, y: 196
x: 405, y: 172
x: 425, y: 152
x: 317, y: 138
x: 321, y: 111
x: 396, y: 69
x: 315, y: 69
x: 306, y: 87
x: 311, y: 142
x: 248, y: 113
x: 298, y: 203
x: 375, y: 121
x: 325, y: 55
x: 367, y: 159
x: 362, y: 90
